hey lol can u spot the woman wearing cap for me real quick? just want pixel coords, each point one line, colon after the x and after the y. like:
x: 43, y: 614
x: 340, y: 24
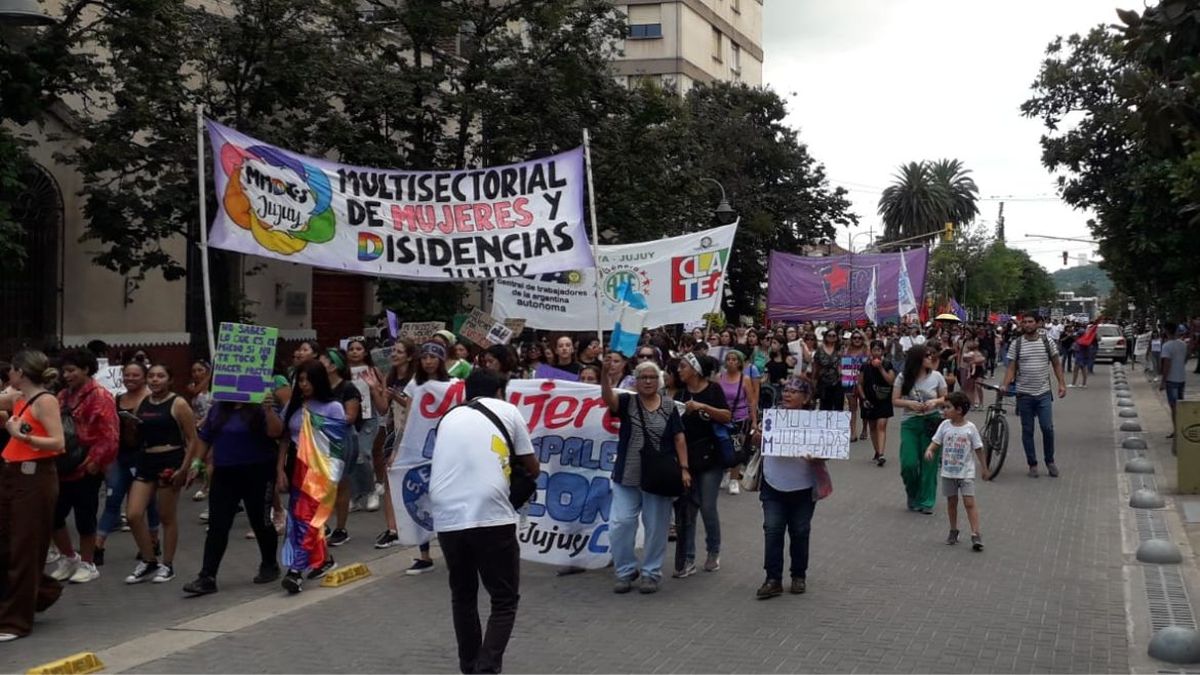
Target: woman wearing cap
x: 742, y: 396
x: 431, y: 366
x: 919, y: 391
x: 826, y: 365
x: 790, y: 490
x: 875, y: 392
x: 704, y: 403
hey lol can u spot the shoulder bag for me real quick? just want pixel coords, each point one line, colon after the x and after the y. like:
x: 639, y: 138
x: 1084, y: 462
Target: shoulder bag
x: 521, y: 485
x: 661, y: 474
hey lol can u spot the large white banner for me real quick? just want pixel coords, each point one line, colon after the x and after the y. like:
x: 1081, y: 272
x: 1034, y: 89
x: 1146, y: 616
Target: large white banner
x: 493, y: 222
x: 575, y: 438
x: 682, y: 279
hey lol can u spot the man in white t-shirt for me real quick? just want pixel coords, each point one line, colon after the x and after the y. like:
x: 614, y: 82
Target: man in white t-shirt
x: 475, y: 523
x: 913, y: 338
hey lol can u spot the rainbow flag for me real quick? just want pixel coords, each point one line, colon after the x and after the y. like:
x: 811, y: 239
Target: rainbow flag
x: 314, y: 481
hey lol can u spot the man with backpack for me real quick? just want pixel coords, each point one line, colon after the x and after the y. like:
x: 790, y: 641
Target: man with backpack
x: 481, y: 454
x: 1031, y: 359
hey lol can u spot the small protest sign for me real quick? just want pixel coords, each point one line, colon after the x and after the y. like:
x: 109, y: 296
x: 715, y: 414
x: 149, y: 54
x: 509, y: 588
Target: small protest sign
x: 819, y: 434
x: 381, y: 358
x: 244, y: 364
x: 484, y: 330
x: 517, y: 326
x: 420, y: 331
x: 110, y: 377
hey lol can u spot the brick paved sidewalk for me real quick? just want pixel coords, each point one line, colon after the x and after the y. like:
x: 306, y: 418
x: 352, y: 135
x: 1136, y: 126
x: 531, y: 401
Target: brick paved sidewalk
x: 885, y: 594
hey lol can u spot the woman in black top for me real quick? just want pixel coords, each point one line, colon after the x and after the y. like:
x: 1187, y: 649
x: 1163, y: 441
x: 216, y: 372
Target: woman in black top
x: 704, y: 403
x: 168, y: 432
x: 348, y: 395
x: 827, y: 372
x: 777, y: 367
x: 875, y: 392
x: 120, y: 473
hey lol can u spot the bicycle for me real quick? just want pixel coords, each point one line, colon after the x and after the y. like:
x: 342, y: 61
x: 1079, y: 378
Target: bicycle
x: 995, y: 431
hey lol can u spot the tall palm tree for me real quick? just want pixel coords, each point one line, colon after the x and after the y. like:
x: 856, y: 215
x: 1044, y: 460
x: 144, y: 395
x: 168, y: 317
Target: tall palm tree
x: 924, y: 197
x: 950, y: 174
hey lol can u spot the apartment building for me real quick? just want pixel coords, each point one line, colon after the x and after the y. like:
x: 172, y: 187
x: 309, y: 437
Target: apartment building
x: 676, y: 43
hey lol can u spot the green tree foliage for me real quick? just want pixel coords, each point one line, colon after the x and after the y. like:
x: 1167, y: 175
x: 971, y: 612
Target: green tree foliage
x: 924, y: 197
x: 1121, y: 106
x: 994, y: 277
x: 1086, y: 290
x: 423, y: 84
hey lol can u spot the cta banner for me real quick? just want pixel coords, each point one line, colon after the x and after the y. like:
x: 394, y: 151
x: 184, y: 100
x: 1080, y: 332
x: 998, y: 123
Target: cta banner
x: 575, y: 439
x: 806, y: 288
x: 681, y: 278
x: 493, y: 222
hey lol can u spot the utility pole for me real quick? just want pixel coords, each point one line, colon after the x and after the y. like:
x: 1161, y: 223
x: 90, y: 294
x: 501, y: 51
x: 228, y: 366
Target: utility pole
x: 1000, y: 224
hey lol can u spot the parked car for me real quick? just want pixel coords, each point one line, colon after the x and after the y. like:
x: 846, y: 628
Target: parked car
x: 1112, y: 343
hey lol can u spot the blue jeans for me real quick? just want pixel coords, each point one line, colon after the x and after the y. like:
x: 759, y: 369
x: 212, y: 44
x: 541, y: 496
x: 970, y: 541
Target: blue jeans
x: 703, y: 498
x: 627, y: 503
x: 790, y: 513
x: 1040, y: 406
x: 117, y: 482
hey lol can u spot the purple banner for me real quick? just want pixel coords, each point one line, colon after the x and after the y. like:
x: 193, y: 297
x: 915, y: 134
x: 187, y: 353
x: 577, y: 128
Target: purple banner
x: 803, y: 288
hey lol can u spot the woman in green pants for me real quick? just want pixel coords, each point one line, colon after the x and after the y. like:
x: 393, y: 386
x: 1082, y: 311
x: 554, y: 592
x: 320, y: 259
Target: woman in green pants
x: 919, y: 391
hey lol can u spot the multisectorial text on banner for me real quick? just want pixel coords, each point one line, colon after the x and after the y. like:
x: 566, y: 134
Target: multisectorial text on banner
x: 483, y: 223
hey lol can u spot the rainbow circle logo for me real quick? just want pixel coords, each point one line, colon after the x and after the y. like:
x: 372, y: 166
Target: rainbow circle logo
x: 284, y: 203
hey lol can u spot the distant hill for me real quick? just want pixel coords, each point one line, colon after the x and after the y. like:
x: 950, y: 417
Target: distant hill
x: 1073, y: 277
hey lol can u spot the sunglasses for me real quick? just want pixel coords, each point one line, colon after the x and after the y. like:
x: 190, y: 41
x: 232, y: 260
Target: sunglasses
x: 645, y: 356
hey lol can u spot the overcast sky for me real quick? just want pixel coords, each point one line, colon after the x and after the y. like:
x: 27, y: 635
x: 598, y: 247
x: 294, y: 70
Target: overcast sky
x: 873, y: 84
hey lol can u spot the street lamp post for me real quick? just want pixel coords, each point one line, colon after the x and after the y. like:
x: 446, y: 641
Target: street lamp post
x: 724, y: 212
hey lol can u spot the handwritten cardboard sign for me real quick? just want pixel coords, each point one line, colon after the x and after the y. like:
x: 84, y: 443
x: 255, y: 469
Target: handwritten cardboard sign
x: 244, y: 365
x: 420, y: 331
x: 484, y: 330
x: 821, y: 434
x: 110, y: 377
x: 517, y: 326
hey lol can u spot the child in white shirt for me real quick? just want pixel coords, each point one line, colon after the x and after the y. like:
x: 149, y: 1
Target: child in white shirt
x: 960, y: 445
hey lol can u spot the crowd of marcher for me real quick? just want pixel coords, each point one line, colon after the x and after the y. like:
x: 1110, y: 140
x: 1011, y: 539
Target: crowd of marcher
x: 121, y: 463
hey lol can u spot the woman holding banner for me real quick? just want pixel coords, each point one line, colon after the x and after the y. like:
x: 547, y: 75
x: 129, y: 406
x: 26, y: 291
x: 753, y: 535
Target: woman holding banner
x: 789, y: 492
x: 432, y: 366
x: 704, y: 405
x: 649, y: 422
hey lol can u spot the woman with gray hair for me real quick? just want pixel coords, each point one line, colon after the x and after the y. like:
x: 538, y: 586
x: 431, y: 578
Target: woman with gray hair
x: 649, y: 424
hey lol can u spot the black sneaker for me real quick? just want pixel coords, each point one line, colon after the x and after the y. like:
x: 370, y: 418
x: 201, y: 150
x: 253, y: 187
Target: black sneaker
x: 324, y: 569
x: 339, y: 537
x: 144, y: 571
x: 419, y: 567
x: 953, y: 538
x: 976, y: 542
x: 387, y: 539
x: 200, y: 586
x: 293, y: 583
x: 98, y: 557
x: 266, y: 574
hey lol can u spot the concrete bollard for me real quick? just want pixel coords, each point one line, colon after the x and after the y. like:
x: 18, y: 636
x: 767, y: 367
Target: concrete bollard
x: 1146, y: 499
x: 1139, y: 465
x: 1159, y: 552
x: 1176, y: 644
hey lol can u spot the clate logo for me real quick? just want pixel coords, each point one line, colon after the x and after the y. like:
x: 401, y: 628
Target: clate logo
x: 698, y: 276
x: 284, y: 203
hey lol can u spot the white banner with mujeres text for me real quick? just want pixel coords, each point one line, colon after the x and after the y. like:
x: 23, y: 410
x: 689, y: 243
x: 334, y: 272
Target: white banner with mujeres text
x: 575, y: 438
x: 503, y: 221
x: 682, y: 279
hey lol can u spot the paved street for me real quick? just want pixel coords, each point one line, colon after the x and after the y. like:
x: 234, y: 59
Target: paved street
x: 885, y: 594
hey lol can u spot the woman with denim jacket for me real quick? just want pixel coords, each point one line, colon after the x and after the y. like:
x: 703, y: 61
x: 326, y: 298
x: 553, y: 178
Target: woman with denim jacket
x: 790, y: 490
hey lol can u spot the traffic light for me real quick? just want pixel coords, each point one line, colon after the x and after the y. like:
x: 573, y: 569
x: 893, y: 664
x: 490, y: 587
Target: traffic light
x: 948, y: 232
x: 1064, y: 257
